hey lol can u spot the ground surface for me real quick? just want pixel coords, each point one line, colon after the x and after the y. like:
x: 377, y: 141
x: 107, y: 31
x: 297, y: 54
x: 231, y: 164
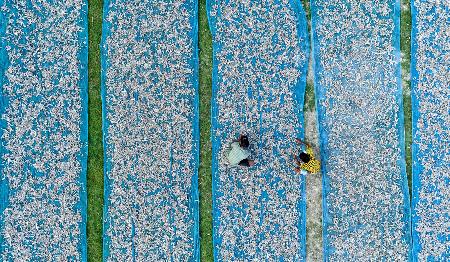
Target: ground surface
x: 95, y: 159
x: 314, y: 186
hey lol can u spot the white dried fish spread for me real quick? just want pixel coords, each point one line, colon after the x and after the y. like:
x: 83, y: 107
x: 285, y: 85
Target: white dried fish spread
x: 150, y: 116
x: 359, y: 98
x: 260, y: 60
x: 44, y: 130
x: 431, y: 129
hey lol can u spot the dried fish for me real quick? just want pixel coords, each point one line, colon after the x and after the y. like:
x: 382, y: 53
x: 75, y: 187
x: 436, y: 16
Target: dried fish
x: 431, y: 131
x: 360, y: 116
x: 252, y: 220
x: 151, y: 146
x: 44, y: 138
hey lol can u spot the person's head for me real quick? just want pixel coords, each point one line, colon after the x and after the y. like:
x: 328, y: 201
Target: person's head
x: 243, y: 142
x: 304, y: 157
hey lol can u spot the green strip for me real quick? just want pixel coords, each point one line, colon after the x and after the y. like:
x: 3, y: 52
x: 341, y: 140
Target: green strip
x: 205, y: 183
x: 310, y: 104
x: 95, y: 158
x: 405, y: 47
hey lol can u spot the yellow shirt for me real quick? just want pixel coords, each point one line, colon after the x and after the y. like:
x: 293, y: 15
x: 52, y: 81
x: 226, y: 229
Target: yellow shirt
x: 313, y: 166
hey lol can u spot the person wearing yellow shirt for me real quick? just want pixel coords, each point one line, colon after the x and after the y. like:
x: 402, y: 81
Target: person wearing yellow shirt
x: 306, y: 161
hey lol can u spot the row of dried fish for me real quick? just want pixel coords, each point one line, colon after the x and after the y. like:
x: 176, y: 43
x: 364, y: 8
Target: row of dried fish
x: 359, y: 97
x: 150, y: 115
x: 431, y: 118
x: 261, y: 56
x: 44, y: 137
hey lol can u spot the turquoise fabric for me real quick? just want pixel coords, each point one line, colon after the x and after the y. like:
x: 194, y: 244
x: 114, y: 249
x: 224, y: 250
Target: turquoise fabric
x: 43, y: 128
x: 356, y: 60
x: 149, y: 57
x: 430, y: 93
x: 260, y: 59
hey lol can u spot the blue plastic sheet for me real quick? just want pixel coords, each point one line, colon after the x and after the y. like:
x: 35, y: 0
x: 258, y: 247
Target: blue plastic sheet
x: 260, y: 57
x: 430, y: 84
x: 43, y: 153
x: 366, y: 213
x: 150, y: 130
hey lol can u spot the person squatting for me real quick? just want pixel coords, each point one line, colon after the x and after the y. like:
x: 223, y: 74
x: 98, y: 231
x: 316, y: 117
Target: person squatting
x: 305, y: 162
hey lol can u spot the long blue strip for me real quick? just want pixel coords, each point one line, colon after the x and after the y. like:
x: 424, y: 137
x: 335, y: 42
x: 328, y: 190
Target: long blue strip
x: 150, y: 130
x: 43, y: 153
x: 260, y: 57
x: 359, y: 100
x: 430, y: 71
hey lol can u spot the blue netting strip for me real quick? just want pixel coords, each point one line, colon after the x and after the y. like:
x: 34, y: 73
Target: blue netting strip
x: 326, y: 152
x: 194, y: 195
x: 83, y: 153
x: 218, y: 141
x: 430, y: 87
x: 105, y: 126
x: 4, y: 189
x: 83, y: 58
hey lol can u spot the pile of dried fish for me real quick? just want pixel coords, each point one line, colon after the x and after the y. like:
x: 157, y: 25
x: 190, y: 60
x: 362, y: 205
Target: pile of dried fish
x: 261, y: 56
x: 431, y: 129
x: 150, y: 96
x: 357, y: 75
x: 44, y: 130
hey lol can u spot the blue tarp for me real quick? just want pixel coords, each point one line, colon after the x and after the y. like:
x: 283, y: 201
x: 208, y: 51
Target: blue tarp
x: 356, y: 49
x: 430, y: 86
x: 260, y: 58
x: 43, y: 153
x: 150, y: 130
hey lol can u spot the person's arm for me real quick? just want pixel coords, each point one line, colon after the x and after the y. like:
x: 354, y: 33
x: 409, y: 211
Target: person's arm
x: 302, y: 166
x: 301, y: 142
x: 310, y: 151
